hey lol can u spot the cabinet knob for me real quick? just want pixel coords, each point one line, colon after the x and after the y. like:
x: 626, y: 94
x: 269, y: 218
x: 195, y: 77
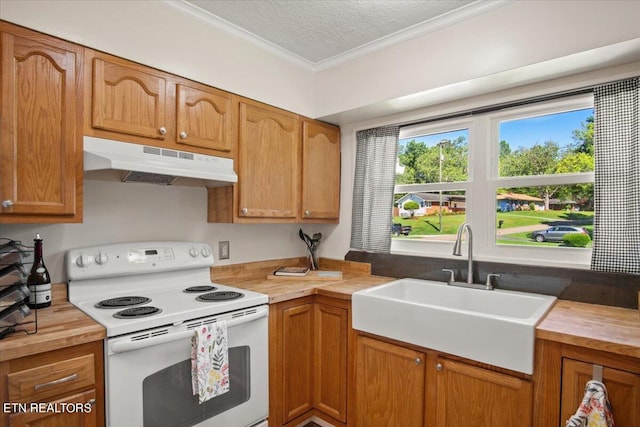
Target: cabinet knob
x: 183, y: 135
x: 162, y: 130
x: 92, y: 402
x: 418, y: 361
x: 244, y: 210
x: 307, y: 213
x: 439, y: 367
x: 7, y: 203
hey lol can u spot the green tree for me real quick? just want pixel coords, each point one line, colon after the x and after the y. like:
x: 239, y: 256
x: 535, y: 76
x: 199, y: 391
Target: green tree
x: 408, y: 157
x: 572, y: 163
x: 536, y: 160
x: 455, y: 164
x: 583, y: 137
x: 411, y: 206
x: 505, y: 149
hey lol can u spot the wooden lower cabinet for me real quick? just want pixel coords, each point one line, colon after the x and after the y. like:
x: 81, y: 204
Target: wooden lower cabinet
x: 60, y: 388
x: 297, y: 360
x: 468, y: 395
x: 399, y: 385
x: 561, y: 375
x: 82, y: 414
x: 308, y: 360
x: 623, y: 389
x: 390, y: 385
x: 331, y: 329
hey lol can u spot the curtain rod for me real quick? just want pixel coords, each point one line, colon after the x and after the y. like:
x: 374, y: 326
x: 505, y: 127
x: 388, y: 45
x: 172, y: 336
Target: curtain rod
x: 504, y: 105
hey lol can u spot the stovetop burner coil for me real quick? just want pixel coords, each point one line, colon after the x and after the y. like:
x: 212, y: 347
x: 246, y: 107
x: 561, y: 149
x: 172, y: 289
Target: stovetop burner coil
x: 220, y: 296
x: 201, y: 288
x: 135, y: 312
x: 119, y: 302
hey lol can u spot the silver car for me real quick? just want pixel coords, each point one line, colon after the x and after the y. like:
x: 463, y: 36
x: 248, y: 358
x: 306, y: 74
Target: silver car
x: 556, y: 233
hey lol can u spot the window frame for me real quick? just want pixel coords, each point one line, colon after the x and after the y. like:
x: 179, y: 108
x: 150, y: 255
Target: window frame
x: 484, y: 181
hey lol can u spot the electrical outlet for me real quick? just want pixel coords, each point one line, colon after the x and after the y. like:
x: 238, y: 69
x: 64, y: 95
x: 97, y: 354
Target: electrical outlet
x: 223, y: 250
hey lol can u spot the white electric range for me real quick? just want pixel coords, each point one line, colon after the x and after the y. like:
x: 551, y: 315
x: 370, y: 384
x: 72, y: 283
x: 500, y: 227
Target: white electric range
x: 150, y: 297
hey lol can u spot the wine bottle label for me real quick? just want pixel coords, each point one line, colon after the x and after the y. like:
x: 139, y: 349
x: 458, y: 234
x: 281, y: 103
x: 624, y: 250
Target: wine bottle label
x: 40, y: 270
x: 40, y: 293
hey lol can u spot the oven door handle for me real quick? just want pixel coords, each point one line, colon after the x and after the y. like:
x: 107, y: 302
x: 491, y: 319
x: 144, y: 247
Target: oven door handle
x: 122, y: 346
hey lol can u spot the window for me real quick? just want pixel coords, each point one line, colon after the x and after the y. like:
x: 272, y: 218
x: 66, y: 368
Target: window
x: 509, y: 173
x: 431, y: 180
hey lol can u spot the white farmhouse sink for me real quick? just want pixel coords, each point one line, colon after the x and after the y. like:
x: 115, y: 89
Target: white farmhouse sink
x: 495, y: 327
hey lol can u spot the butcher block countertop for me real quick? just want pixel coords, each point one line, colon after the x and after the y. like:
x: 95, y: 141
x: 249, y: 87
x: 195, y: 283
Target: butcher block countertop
x: 612, y: 329
x: 60, y: 325
x: 253, y: 277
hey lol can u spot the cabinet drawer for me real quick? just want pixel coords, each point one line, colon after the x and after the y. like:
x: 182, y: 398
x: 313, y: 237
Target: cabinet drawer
x: 50, y: 380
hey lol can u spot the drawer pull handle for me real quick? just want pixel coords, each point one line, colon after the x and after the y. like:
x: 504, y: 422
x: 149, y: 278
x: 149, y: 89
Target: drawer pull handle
x: 56, y: 382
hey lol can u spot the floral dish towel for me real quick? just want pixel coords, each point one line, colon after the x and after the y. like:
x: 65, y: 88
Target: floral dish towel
x: 210, y: 361
x: 595, y: 409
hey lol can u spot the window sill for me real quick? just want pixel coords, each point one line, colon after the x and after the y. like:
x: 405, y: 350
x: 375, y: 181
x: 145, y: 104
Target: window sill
x: 575, y: 258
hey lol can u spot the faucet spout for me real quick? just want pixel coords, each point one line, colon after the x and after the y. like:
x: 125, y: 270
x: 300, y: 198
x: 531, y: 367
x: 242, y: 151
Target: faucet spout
x: 457, y: 248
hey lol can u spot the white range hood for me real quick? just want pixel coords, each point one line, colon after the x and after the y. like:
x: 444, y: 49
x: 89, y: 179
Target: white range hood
x: 113, y: 160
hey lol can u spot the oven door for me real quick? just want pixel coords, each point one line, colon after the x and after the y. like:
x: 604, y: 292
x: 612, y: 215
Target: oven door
x: 148, y: 376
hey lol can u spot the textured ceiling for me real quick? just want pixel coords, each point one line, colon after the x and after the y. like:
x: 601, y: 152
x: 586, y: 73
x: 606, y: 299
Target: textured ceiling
x: 318, y: 30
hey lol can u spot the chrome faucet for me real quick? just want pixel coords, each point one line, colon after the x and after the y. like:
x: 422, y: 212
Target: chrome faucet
x: 457, y: 251
x: 457, y: 248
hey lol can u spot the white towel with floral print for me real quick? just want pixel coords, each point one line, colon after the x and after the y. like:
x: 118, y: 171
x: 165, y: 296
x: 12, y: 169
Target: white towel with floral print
x: 210, y: 361
x: 595, y: 409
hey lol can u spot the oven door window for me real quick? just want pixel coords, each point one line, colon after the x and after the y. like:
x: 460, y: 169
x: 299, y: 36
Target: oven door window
x: 168, y: 400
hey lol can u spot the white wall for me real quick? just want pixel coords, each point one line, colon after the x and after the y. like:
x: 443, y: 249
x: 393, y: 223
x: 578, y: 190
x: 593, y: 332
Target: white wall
x: 339, y: 239
x: 523, y: 42
x: 492, y: 49
x: 121, y: 212
x: 157, y: 34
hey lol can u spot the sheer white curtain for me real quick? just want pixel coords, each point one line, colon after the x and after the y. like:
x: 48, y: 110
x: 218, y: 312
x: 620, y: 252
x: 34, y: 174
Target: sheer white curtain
x: 374, y: 180
x: 616, y: 231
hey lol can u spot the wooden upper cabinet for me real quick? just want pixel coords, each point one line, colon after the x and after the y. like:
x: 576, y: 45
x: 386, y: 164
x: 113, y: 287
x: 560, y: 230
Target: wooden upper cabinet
x: 268, y: 163
x: 204, y: 118
x: 320, y: 171
x: 40, y: 147
x: 128, y: 99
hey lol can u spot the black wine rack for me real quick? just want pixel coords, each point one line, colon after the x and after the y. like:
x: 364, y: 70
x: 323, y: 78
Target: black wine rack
x: 15, y: 315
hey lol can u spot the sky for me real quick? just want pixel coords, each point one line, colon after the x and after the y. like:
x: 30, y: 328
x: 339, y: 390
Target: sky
x: 525, y: 132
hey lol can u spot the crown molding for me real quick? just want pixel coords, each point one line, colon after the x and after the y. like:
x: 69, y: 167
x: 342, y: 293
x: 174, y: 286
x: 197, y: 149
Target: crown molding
x: 461, y: 14
x: 472, y: 9
x: 226, y: 26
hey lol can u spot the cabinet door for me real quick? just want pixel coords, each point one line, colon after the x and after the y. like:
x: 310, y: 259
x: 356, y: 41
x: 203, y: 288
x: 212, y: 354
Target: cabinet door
x: 320, y: 171
x: 128, y: 100
x: 297, y: 354
x: 81, y: 414
x: 330, y: 380
x: 623, y: 389
x: 269, y: 165
x: 39, y: 140
x: 204, y: 118
x: 476, y: 397
x: 390, y: 384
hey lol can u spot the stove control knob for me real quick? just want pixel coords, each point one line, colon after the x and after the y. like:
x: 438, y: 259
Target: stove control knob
x: 102, y: 258
x: 205, y: 252
x: 83, y: 261
x: 193, y: 252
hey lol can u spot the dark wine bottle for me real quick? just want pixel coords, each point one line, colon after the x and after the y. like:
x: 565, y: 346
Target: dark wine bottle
x: 39, y: 281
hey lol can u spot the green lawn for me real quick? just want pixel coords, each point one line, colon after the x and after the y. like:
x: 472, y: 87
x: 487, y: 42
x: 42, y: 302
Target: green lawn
x: 429, y: 225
